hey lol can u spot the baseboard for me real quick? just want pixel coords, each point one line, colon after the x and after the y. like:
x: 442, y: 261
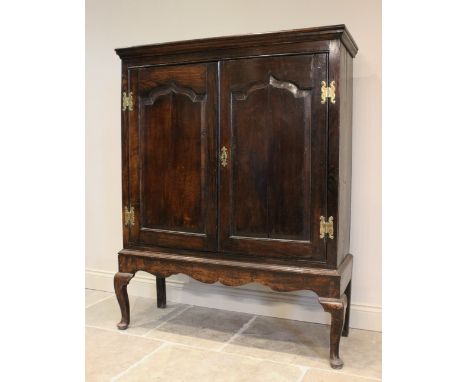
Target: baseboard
x: 301, y: 306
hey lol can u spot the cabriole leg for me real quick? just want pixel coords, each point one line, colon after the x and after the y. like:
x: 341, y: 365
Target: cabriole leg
x: 348, y: 306
x: 161, y: 291
x: 336, y: 307
x: 121, y: 281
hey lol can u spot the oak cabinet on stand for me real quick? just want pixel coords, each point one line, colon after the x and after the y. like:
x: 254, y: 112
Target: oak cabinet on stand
x: 236, y: 165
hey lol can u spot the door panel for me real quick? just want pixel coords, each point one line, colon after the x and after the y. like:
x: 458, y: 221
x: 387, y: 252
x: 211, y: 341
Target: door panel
x: 274, y: 126
x: 171, y: 162
x: 173, y: 165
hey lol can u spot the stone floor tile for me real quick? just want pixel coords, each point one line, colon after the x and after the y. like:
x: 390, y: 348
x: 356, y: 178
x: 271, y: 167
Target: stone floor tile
x: 262, y: 342
x: 110, y: 353
x: 144, y: 315
x: 201, y: 327
x: 362, y: 352
x: 307, y: 344
x: 176, y: 363
x: 319, y: 375
x: 94, y: 296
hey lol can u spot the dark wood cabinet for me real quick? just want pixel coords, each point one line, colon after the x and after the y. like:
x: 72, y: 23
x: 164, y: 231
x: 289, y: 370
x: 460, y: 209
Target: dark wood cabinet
x: 236, y: 164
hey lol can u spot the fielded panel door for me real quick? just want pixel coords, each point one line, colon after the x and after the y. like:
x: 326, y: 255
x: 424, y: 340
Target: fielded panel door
x: 273, y: 156
x: 172, y: 156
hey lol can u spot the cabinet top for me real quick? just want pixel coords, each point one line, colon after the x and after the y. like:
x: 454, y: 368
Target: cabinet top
x: 209, y: 45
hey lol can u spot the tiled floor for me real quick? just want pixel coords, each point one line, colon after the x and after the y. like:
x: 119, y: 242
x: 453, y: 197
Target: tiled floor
x: 188, y: 343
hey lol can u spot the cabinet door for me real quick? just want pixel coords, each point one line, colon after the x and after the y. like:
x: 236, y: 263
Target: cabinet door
x: 274, y: 129
x: 172, y: 156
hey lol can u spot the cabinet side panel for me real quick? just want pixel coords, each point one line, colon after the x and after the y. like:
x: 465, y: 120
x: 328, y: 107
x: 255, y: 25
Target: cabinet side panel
x: 345, y: 154
x: 124, y: 153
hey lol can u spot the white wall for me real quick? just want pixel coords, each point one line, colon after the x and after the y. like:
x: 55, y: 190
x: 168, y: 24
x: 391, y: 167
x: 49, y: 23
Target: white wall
x: 115, y: 23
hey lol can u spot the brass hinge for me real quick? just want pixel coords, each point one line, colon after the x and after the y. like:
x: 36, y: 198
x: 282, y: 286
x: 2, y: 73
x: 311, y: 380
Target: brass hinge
x: 129, y: 216
x: 127, y: 101
x: 328, y: 92
x: 326, y: 228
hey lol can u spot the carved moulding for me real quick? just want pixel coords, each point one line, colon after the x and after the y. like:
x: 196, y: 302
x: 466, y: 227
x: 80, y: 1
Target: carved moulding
x: 174, y: 88
x: 275, y: 83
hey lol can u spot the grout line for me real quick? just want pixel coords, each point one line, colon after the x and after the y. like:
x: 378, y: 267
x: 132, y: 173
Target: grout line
x: 304, y: 370
x: 169, y: 342
x: 177, y: 314
x: 238, y: 333
x: 121, y: 332
x: 118, y: 376
x: 264, y: 359
x: 165, y: 319
x: 101, y: 300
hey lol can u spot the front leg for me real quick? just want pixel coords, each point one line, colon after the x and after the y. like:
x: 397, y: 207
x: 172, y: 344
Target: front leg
x: 336, y: 307
x: 121, y: 281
